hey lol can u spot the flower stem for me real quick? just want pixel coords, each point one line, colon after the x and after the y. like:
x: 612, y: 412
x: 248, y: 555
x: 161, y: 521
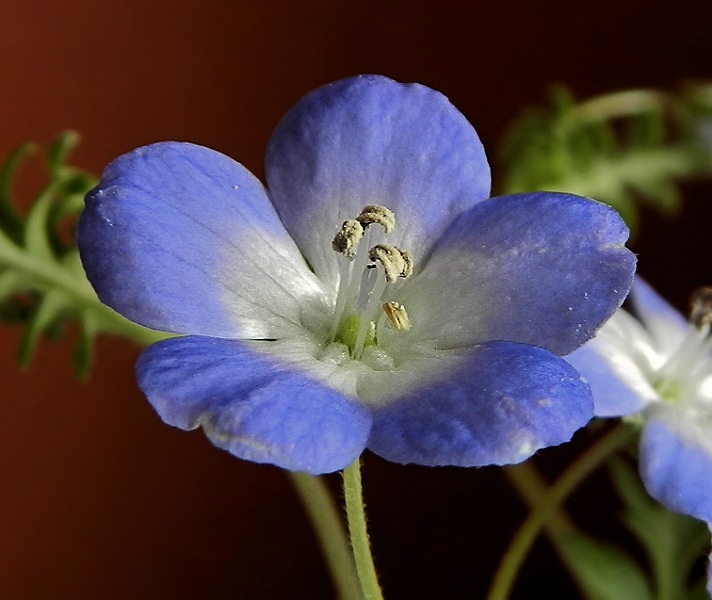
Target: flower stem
x: 329, y: 529
x: 360, y: 545
x: 522, y: 541
x: 532, y: 489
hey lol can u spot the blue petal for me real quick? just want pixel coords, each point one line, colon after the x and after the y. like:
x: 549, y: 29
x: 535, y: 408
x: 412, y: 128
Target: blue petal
x: 181, y: 238
x: 676, y: 471
x: 545, y: 269
x: 371, y: 140
x: 252, y: 407
x: 665, y: 324
x: 503, y: 403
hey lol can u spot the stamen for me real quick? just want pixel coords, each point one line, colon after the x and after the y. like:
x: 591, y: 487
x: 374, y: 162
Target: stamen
x: 396, y: 262
x: 362, y: 285
x: 373, y: 213
x: 347, y: 238
x: 408, y: 267
x: 397, y: 315
x: 701, y: 308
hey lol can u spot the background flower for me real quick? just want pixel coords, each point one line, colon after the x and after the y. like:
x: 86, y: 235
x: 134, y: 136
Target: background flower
x: 659, y: 367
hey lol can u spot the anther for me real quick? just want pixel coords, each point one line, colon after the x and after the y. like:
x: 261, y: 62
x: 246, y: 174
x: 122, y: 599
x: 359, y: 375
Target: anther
x: 396, y: 262
x: 373, y: 213
x: 348, y: 237
x: 701, y: 307
x: 397, y: 315
x: 408, y: 264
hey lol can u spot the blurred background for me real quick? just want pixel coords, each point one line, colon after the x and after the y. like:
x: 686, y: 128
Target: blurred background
x: 99, y: 499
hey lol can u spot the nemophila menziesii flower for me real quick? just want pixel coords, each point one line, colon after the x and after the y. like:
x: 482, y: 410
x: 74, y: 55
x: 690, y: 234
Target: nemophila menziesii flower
x: 660, y: 366
x: 369, y: 296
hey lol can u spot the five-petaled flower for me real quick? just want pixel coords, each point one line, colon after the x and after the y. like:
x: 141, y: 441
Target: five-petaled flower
x: 661, y: 367
x: 370, y: 296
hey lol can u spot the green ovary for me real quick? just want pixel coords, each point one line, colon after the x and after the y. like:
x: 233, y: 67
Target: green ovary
x: 670, y: 391
x: 348, y: 331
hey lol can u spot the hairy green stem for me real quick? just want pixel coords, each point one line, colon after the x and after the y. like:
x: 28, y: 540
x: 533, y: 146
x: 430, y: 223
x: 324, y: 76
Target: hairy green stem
x: 522, y: 541
x: 318, y: 504
x: 360, y: 544
x: 329, y: 530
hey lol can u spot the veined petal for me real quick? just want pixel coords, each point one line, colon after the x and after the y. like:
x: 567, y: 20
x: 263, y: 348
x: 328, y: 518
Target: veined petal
x: 545, y: 269
x: 251, y: 407
x: 372, y: 140
x: 667, y: 326
x: 617, y: 363
x: 181, y: 238
x: 503, y: 403
x: 676, y: 461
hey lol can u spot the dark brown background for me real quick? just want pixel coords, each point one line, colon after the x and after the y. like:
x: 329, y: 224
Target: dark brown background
x: 98, y: 499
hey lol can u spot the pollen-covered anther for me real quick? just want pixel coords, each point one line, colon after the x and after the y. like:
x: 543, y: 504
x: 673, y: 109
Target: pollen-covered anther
x: 396, y: 262
x: 347, y: 238
x: 701, y: 307
x: 374, y: 213
x: 397, y: 315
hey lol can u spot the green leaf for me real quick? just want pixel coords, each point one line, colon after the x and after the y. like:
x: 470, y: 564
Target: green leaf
x: 9, y: 218
x: 48, y: 312
x: 620, y: 148
x: 58, y: 151
x: 42, y: 283
x: 604, y: 571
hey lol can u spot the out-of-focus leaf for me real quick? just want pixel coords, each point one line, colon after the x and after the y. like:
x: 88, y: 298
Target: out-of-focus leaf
x: 603, y: 570
x: 620, y: 148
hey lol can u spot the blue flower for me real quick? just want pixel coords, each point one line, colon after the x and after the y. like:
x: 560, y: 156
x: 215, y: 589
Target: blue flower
x: 660, y: 367
x: 370, y: 296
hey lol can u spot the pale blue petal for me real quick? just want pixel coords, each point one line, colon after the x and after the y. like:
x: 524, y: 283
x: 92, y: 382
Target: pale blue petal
x: 676, y: 468
x: 503, y: 403
x: 545, y: 269
x: 181, y: 238
x: 612, y: 395
x: 618, y: 363
x: 251, y: 406
x: 665, y: 324
x: 372, y: 140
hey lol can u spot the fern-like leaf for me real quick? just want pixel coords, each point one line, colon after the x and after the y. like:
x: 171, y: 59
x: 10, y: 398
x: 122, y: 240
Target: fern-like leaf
x: 42, y: 283
x: 620, y: 148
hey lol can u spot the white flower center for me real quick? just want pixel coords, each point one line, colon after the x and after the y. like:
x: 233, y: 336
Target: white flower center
x: 362, y: 306
x: 687, y: 372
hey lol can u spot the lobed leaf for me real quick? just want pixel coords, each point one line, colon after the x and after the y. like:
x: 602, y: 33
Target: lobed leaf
x: 42, y: 283
x: 620, y: 148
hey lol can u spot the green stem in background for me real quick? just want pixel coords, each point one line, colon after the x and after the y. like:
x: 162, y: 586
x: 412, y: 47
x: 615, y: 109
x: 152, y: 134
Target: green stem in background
x: 360, y: 544
x: 523, y: 540
x: 532, y: 489
x: 328, y: 527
